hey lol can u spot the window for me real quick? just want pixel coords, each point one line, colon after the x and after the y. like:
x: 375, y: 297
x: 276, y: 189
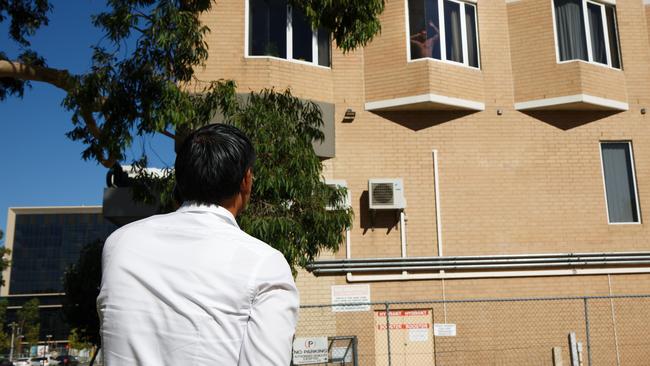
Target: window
x: 592, y: 38
x: 443, y: 30
x: 277, y: 30
x: 620, y: 186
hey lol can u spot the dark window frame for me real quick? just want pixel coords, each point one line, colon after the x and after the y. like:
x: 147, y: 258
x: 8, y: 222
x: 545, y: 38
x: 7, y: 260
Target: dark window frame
x: 320, y: 51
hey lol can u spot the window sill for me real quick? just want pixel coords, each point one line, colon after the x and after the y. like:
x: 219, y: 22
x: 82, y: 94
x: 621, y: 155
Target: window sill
x: 590, y: 63
x: 446, y: 62
x: 305, y: 63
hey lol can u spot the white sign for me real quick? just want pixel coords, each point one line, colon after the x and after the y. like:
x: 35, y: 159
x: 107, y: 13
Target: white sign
x: 310, y: 350
x: 444, y: 330
x: 351, y: 294
x: 419, y: 335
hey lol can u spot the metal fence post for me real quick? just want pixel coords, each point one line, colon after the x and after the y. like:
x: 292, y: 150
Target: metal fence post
x: 356, y: 351
x: 388, y: 331
x: 586, y: 302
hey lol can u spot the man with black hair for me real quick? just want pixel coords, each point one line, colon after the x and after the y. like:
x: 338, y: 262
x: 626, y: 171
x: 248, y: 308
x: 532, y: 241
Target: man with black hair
x: 191, y: 288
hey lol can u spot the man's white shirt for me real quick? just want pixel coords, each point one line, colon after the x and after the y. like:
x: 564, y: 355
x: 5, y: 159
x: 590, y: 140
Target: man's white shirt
x: 191, y: 288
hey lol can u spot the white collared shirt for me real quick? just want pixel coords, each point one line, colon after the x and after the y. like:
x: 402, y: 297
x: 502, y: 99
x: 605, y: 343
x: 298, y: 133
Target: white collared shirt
x: 190, y: 288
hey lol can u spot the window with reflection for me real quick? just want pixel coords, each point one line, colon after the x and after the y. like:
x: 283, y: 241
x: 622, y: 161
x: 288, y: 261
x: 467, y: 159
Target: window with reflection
x: 278, y: 30
x: 444, y: 30
x: 620, y: 182
x: 587, y: 30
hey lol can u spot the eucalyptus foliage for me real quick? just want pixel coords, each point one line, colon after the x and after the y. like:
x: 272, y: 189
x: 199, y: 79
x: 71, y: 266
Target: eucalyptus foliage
x: 5, y: 338
x: 291, y: 207
x: 142, y: 83
x: 29, y: 321
x: 288, y: 205
x: 81, y: 285
x: 4, y: 257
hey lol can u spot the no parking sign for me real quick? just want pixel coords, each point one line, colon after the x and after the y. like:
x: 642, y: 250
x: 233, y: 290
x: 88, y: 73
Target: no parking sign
x: 310, y: 350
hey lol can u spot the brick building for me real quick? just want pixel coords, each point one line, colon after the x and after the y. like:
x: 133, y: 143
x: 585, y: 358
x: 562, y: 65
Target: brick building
x: 518, y: 129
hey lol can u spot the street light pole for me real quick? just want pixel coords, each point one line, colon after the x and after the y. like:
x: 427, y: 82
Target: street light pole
x: 13, y: 332
x: 49, y: 343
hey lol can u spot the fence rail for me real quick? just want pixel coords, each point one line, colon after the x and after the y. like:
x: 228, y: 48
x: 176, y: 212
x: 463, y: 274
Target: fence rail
x: 608, y: 330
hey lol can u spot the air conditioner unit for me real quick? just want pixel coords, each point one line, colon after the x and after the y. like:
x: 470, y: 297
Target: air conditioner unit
x: 386, y: 194
x: 338, y: 183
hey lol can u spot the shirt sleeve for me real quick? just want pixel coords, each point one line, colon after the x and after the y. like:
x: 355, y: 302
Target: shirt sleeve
x: 273, y: 317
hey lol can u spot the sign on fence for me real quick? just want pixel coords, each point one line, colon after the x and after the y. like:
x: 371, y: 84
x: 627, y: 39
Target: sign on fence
x: 350, y: 294
x: 411, y: 337
x: 310, y: 350
x: 444, y: 330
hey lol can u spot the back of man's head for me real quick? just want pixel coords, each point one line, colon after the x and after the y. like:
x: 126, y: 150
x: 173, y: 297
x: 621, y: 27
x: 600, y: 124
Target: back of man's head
x: 212, y: 163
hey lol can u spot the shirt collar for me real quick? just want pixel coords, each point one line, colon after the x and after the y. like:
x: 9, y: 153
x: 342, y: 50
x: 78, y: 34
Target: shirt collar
x: 215, y: 209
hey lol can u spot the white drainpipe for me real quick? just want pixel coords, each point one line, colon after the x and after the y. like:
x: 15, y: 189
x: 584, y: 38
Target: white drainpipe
x: 436, y: 187
x: 488, y: 274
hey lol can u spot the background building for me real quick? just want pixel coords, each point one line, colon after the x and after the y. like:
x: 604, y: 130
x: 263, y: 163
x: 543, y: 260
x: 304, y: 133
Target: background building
x: 518, y: 131
x: 44, y: 241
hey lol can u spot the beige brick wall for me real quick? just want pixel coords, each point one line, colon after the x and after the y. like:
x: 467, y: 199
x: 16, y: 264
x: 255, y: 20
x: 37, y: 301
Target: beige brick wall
x: 509, y: 184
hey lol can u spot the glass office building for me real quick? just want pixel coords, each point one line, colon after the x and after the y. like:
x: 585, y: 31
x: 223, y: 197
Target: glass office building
x: 44, y: 242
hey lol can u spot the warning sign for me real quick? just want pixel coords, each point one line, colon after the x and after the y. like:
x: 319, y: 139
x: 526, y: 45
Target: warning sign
x: 310, y: 350
x: 411, y: 337
x: 351, y: 294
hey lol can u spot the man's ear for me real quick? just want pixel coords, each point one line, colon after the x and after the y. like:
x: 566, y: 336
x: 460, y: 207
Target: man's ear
x: 247, y: 183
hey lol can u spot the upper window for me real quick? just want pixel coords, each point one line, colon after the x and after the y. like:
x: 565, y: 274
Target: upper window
x: 592, y: 37
x: 620, y: 183
x: 444, y: 30
x: 275, y: 29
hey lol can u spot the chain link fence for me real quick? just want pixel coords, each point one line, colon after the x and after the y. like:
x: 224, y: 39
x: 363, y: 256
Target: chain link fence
x: 568, y: 331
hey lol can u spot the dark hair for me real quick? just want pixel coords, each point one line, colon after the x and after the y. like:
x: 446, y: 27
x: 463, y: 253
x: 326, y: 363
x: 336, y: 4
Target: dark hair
x: 212, y: 163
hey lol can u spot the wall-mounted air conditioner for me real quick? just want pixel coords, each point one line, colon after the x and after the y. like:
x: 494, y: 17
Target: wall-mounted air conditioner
x: 386, y: 194
x: 340, y: 183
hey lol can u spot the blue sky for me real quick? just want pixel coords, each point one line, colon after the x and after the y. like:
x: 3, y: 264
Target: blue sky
x: 40, y: 166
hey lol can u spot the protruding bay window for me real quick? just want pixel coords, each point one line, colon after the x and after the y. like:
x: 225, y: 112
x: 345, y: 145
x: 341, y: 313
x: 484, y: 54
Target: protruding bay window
x: 592, y: 37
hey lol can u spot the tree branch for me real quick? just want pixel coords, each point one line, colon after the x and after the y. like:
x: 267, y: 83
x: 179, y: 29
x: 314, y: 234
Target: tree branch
x: 168, y: 134
x: 62, y: 79
x: 91, y: 123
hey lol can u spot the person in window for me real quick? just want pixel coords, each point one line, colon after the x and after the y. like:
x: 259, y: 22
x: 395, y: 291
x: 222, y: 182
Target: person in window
x: 424, y: 41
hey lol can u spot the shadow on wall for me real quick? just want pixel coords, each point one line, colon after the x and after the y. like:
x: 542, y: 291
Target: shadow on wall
x: 566, y: 120
x: 419, y: 120
x: 376, y: 219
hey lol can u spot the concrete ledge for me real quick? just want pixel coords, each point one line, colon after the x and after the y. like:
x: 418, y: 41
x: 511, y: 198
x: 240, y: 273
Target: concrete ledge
x: 425, y: 102
x: 573, y: 102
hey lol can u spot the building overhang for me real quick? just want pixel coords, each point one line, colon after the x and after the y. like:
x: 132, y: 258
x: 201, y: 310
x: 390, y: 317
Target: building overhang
x: 425, y: 102
x: 324, y: 149
x: 576, y: 102
x: 120, y: 208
